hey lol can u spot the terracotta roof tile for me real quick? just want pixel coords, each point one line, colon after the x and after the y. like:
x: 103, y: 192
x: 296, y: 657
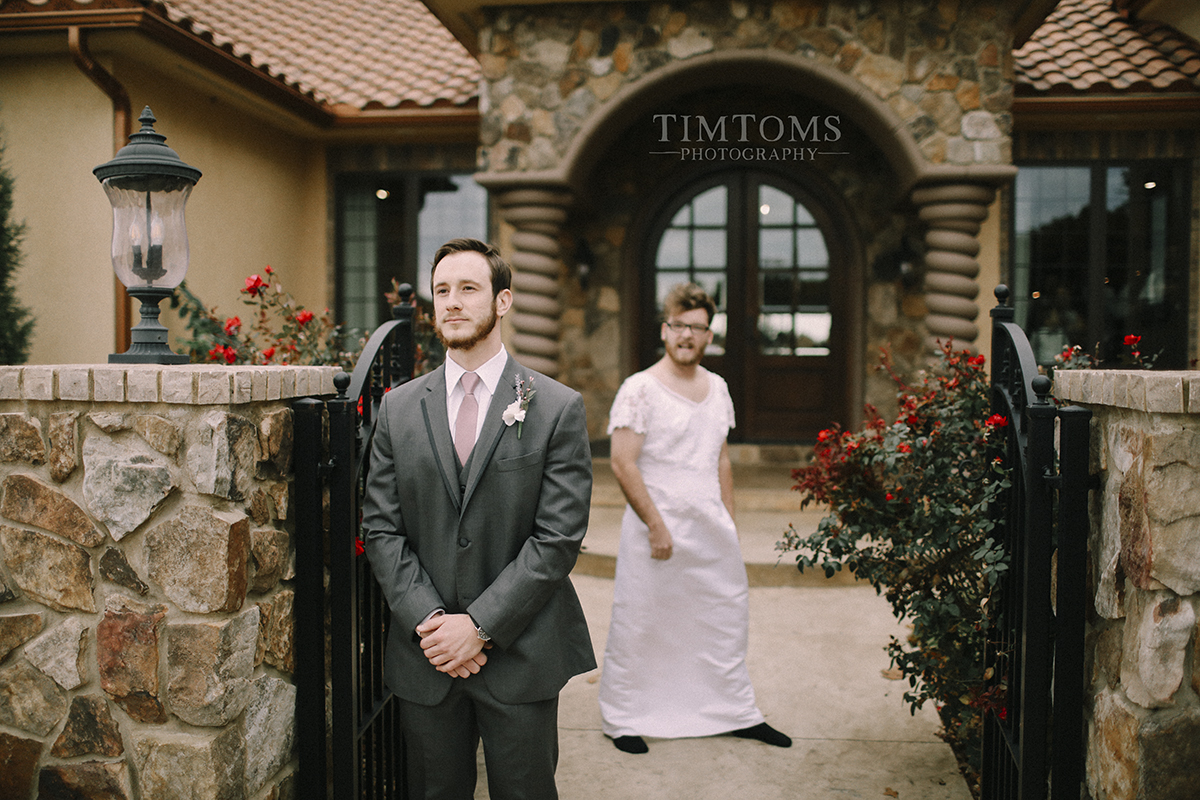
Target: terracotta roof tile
x: 376, y: 53
x: 1084, y: 46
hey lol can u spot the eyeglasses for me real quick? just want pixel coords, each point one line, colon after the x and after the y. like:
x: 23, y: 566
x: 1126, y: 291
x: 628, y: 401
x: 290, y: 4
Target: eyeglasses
x: 680, y: 327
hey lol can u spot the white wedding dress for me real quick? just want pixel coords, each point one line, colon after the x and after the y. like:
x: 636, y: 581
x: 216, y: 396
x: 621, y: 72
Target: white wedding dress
x: 675, y: 660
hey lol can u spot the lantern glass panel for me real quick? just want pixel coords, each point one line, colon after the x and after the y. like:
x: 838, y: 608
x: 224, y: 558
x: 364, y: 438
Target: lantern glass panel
x: 149, y: 243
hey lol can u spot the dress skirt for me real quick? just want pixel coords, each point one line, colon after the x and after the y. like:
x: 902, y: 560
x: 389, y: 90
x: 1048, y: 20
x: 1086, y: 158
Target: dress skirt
x: 675, y: 659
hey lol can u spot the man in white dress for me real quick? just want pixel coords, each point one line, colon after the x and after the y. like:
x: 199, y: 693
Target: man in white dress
x: 675, y: 661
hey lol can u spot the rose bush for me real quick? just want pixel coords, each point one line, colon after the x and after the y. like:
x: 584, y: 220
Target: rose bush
x: 278, y: 330
x: 1074, y: 357
x: 911, y: 513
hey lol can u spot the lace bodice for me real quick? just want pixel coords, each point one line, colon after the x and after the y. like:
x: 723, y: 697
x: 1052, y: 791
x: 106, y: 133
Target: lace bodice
x: 683, y: 438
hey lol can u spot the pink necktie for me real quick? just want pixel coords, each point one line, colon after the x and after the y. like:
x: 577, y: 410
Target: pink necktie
x: 468, y: 415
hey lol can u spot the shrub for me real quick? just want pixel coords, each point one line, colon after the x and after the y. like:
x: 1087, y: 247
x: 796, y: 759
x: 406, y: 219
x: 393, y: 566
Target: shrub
x: 909, y: 503
x: 16, y: 324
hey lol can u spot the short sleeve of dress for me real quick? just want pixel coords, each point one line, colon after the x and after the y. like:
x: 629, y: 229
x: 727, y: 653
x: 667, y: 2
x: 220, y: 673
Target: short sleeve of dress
x: 631, y: 408
x: 726, y: 402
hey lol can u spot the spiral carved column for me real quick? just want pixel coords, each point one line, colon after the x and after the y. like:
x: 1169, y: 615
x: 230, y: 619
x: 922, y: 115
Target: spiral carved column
x: 953, y: 214
x: 538, y: 216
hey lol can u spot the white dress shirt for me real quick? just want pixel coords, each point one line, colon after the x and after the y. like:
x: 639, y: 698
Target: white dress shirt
x: 489, y: 379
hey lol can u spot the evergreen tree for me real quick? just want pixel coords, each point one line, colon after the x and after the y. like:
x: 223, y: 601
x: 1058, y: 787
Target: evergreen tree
x: 16, y: 323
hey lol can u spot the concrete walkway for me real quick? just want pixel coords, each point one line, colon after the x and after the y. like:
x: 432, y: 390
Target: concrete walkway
x: 820, y: 674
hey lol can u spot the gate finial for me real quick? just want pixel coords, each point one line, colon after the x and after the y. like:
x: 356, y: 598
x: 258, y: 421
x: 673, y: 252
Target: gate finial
x: 1041, y: 387
x: 1001, y: 312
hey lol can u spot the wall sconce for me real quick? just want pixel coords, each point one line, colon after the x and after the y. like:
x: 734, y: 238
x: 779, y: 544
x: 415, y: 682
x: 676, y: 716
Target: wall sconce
x: 148, y: 186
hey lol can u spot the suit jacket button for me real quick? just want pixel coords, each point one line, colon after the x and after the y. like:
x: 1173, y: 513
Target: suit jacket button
x: 463, y: 542
x: 462, y: 489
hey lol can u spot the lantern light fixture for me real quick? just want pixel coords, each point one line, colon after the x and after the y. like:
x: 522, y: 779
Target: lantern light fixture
x: 148, y: 186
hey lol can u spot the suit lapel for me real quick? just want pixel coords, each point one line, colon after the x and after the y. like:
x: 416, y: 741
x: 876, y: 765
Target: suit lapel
x: 437, y: 425
x: 493, y: 425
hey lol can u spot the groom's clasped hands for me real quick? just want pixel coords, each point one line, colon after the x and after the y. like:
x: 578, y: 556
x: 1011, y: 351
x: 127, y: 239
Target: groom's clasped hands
x: 452, y: 644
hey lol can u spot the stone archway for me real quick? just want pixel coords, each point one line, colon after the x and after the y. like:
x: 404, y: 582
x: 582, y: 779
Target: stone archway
x: 951, y: 198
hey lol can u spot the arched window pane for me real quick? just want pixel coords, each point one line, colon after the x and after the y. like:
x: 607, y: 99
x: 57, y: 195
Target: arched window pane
x: 775, y: 207
x: 709, y: 249
x: 673, y: 250
x: 709, y: 207
x: 794, y: 315
x: 810, y: 248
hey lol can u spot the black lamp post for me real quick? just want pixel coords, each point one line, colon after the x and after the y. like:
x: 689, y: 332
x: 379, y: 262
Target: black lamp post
x: 148, y: 186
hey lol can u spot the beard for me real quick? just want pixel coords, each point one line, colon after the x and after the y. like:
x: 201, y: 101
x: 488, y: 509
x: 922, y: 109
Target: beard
x: 686, y: 359
x: 465, y: 340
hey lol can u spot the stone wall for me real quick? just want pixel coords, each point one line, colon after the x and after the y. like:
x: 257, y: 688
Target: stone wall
x: 944, y: 68
x: 145, y: 581
x: 1144, y: 642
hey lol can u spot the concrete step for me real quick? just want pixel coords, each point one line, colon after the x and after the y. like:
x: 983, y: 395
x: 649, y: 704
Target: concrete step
x: 764, y: 505
x: 758, y: 485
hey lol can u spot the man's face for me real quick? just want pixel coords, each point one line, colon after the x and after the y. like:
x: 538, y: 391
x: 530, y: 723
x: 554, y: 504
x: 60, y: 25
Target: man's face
x: 685, y: 346
x: 464, y: 309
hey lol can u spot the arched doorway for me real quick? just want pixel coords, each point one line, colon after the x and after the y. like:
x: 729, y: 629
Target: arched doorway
x: 781, y: 270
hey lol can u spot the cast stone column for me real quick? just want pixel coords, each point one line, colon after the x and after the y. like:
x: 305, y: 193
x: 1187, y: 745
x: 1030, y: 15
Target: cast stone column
x: 538, y: 216
x: 953, y: 214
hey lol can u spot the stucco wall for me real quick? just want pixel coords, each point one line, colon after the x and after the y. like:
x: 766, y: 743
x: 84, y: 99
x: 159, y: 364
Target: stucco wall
x: 56, y: 126
x: 261, y: 199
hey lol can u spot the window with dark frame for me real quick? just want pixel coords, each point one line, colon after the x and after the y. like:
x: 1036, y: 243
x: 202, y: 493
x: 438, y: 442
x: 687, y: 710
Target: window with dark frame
x: 389, y: 225
x: 1100, y: 251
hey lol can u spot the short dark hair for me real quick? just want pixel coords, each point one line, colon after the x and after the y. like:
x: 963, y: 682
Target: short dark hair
x: 501, y: 271
x: 688, y: 297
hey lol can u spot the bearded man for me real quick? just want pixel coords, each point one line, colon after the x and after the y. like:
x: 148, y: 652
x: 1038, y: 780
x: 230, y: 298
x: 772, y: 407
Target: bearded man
x: 476, y: 505
x: 675, y: 660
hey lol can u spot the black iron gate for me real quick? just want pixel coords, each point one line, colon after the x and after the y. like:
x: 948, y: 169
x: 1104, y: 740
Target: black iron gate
x: 348, y: 738
x: 1033, y: 729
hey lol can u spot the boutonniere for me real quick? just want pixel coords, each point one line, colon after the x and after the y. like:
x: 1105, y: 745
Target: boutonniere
x: 516, y: 409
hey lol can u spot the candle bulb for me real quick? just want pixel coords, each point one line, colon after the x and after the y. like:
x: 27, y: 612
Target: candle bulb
x: 135, y: 236
x: 154, y: 265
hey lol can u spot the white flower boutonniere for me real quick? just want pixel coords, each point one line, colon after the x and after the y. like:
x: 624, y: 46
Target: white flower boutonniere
x: 516, y: 409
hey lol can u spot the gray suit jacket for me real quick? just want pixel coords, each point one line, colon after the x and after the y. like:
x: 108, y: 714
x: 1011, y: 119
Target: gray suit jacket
x: 497, y: 543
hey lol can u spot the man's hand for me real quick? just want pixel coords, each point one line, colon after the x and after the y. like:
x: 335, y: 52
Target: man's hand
x: 660, y: 544
x: 452, y: 645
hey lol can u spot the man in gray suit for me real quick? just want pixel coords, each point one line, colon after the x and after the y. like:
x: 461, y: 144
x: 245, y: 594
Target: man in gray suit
x: 476, y: 505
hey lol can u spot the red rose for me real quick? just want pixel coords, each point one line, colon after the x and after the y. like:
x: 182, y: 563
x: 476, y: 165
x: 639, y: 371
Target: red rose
x: 304, y: 317
x: 255, y: 285
x: 997, y: 421
x: 230, y: 355
x: 232, y: 325
x: 1132, y: 340
x: 269, y: 353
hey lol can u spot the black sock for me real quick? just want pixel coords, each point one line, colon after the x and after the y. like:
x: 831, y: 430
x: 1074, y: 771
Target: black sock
x: 631, y: 744
x: 764, y: 733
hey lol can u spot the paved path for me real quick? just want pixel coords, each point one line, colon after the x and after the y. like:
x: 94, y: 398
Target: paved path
x: 817, y: 661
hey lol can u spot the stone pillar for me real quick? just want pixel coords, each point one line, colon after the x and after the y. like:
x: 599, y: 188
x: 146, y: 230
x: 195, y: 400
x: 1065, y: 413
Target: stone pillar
x: 538, y: 216
x: 953, y: 214
x: 1143, y: 642
x: 146, y: 571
